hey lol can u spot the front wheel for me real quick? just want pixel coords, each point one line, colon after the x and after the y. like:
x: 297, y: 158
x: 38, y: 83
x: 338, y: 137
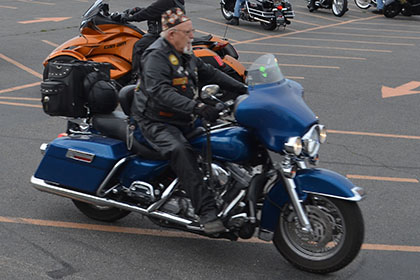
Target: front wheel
x: 100, y: 213
x: 392, y: 9
x: 269, y: 26
x: 337, y: 237
x: 227, y: 9
x: 362, y: 4
x: 339, y: 7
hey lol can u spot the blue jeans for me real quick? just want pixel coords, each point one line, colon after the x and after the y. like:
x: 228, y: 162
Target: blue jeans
x: 238, y: 4
x: 379, y: 4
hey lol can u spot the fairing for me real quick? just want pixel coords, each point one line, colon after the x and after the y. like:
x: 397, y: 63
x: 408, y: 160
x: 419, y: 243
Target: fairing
x: 276, y: 111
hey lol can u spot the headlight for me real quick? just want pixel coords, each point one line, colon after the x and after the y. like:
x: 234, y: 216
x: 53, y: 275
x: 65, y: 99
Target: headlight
x: 316, y: 135
x: 293, y: 145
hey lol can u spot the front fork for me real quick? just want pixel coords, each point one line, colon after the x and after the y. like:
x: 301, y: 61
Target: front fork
x: 287, y: 173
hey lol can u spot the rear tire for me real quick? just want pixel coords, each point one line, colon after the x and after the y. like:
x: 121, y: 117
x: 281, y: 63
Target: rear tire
x: 339, y: 7
x: 338, y: 233
x: 362, y: 4
x: 269, y: 26
x: 392, y: 10
x: 100, y: 213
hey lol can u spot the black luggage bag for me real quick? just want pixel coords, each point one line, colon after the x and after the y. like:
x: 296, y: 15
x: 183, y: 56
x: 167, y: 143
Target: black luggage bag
x: 65, y: 93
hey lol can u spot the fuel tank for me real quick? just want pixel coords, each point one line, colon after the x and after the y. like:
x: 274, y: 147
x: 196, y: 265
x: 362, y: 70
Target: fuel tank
x: 234, y: 144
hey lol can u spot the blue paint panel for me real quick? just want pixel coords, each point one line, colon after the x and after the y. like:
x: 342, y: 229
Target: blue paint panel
x: 234, y: 144
x: 276, y: 112
x: 56, y: 167
x: 141, y: 170
x: 324, y: 181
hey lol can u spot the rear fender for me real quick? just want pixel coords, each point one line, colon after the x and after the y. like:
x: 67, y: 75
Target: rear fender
x: 308, y: 181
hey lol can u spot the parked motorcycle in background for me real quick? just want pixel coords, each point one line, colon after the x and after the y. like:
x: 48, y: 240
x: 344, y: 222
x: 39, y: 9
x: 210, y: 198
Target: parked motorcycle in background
x: 270, y: 14
x: 256, y: 162
x: 405, y: 7
x: 365, y: 4
x: 338, y: 7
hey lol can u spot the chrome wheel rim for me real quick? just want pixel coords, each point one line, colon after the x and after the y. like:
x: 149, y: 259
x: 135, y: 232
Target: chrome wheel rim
x: 328, y: 226
x: 338, y: 6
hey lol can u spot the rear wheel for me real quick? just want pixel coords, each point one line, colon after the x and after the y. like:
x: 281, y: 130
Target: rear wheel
x: 100, y: 213
x: 269, y: 26
x: 227, y: 9
x: 337, y: 237
x: 362, y: 4
x: 339, y: 7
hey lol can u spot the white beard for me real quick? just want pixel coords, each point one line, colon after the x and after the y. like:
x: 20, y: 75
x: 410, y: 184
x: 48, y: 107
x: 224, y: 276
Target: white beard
x: 188, y: 48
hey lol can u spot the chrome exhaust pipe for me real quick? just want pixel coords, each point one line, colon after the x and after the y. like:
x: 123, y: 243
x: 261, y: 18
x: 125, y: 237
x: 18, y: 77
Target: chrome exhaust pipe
x: 43, y: 186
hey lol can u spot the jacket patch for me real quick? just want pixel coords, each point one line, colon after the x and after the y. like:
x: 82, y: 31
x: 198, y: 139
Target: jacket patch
x: 179, y: 81
x: 173, y: 59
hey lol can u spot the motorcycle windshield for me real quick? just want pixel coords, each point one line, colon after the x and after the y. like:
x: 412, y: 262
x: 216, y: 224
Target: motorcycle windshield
x: 274, y: 108
x: 94, y: 9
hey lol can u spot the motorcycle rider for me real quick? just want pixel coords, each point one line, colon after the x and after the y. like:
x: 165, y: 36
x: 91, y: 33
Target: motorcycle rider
x: 236, y: 12
x: 152, y: 14
x: 165, y: 104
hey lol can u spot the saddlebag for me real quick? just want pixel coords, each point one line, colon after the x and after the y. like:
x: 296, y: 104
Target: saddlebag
x: 66, y: 90
x: 80, y: 162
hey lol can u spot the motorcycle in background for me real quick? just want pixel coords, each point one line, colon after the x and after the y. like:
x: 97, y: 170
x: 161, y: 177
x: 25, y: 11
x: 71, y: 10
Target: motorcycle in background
x: 104, y: 38
x: 338, y: 7
x: 270, y: 14
x: 255, y: 160
x: 365, y: 4
x: 406, y: 7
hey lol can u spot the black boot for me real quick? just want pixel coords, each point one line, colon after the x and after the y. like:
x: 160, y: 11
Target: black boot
x: 234, y: 21
x: 311, y: 6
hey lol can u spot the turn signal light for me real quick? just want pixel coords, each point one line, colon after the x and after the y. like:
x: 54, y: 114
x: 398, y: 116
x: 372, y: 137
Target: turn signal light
x: 280, y: 7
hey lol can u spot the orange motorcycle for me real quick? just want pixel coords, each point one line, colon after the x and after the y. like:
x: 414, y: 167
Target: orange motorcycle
x: 104, y: 38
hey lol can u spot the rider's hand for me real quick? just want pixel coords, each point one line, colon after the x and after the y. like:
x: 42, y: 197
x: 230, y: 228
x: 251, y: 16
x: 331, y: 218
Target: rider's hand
x: 125, y: 17
x: 207, y: 112
x: 134, y: 10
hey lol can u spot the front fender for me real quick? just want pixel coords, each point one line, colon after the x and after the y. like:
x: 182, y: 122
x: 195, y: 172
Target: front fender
x: 308, y: 181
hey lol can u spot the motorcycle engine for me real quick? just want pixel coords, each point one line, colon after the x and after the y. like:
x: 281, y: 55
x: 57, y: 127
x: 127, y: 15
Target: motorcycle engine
x: 142, y: 192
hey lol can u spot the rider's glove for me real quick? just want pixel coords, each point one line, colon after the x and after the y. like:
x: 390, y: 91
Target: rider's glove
x: 207, y: 112
x: 125, y: 17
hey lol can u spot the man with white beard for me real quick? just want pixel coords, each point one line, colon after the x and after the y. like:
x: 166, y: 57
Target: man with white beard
x: 166, y: 101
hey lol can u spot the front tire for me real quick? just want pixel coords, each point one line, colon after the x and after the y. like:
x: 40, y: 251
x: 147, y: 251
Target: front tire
x: 339, y: 7
x: 269, y: 26
x: 100, y: 213
x: 338, y: 233
x: 227, y: 9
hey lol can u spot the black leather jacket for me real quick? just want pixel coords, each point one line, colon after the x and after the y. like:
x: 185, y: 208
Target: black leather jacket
x: 153, y: 13
x: 169, y: 84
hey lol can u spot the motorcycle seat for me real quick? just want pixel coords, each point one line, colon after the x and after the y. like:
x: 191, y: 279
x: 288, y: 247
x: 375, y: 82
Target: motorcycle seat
x: 115, y: 125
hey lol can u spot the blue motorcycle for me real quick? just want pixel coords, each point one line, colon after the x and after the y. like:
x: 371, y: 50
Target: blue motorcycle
x: 255, y: 161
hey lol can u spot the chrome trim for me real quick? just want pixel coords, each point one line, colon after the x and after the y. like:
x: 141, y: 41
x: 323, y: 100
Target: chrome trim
x: 232, y: 204
x: 303, y: 219
x: 148, y: 186
x: 80, y: 155
x: 43, y: 186
x: 110, y: 175
x: 357, y: 197
x: 43, y: 148
x: 165, y: 196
